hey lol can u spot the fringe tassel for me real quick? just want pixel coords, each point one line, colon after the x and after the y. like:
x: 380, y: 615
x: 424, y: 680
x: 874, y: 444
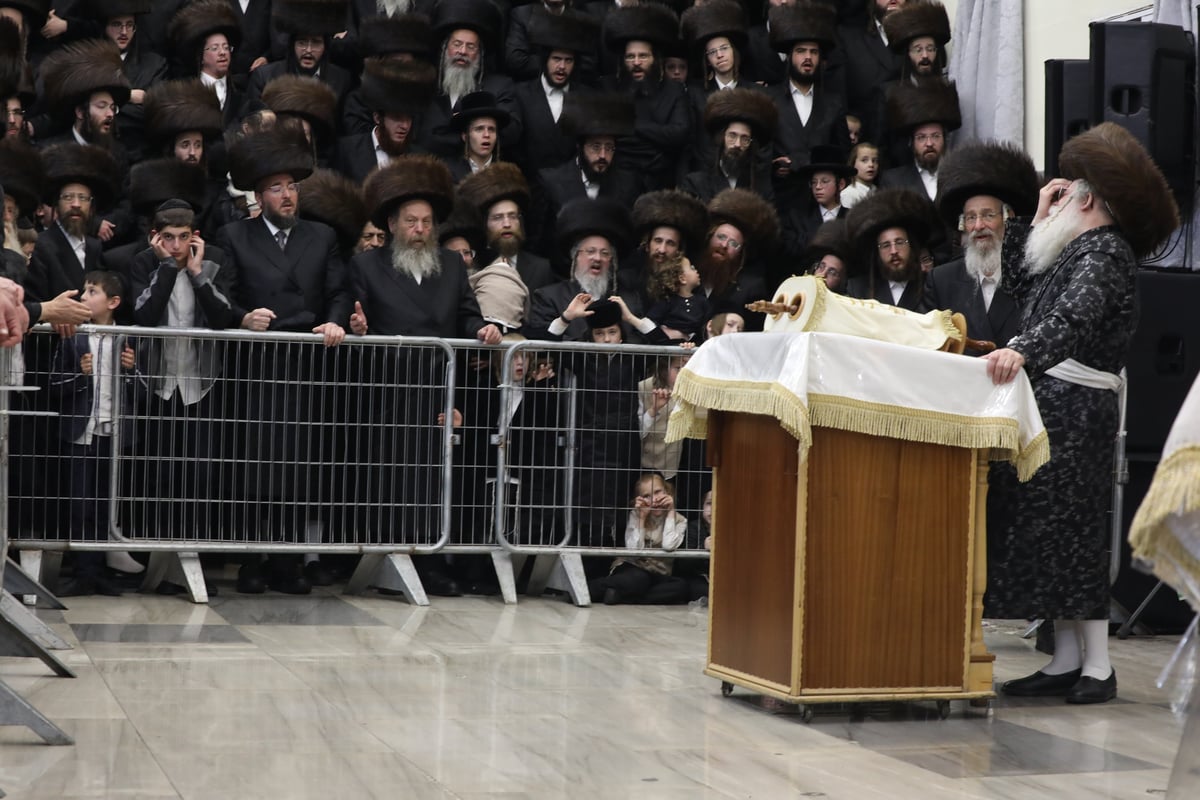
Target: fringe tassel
x: 1175, y: 491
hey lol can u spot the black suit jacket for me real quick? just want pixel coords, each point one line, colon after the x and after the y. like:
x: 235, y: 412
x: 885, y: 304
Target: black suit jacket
x: 761, y: 62
x: 543, y: 144
x: 707, y: 183
x: 332, y: 75
x: 798, y: 224
x: 396, y: 305
x: 662, y: 122
x: 433, y: 129
x: 355, y: 156
x: 904, y: 176
x: 949, y: 286
x: 868, y: 65
x: 54, y: 269
x: 305, y: 285
x: 564, y: 183
x: 860, y: 287
x: 256, y: 34
x: 826, y: 123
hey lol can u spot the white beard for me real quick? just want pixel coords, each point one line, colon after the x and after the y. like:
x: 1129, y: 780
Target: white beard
x: 458, y: 81
x: 597, y: 287
x: 417, y: 262
x: 1048, y: 238
x: 981, y: 261
x: 390, y: 8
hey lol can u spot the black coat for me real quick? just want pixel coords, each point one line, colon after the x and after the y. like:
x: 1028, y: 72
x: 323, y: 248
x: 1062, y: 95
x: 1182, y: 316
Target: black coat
x: 143, y: 68
x: 707, y: 183
x: 662, y: 123
x: 826, y: 123
x: 760, y: 60
x: 396, y: 305
x: 54, y: 269
x: 355, y: 156
x: 332, y: 75
x: 949, y: 286
x: 544, y: 144
x: 256, y: 34
x: 868, y: 65
x: 559, y: 185
x: 904, y: 176
x: 798, y: 225
x: 860, y: 286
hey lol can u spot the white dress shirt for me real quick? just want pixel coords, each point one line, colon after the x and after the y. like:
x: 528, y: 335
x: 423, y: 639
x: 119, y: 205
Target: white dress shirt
x: 987, y: 286
x: 219, y: 84
x: 897, y: 288
x: 180, y: 366
x: 105, y: 349
x: 828, y: 214
x: 381, y: 158
x: 77, y: 245
x: 554, y: 97
x: 803, y: 102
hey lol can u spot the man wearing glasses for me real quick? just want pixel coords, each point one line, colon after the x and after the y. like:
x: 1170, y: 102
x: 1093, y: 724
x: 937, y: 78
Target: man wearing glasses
x: 141, y: 65
x: 891, y: 226
x: 742, y: 237
x: 204, y: 36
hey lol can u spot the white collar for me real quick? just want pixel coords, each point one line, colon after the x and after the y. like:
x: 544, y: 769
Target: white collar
x: 547, y: 88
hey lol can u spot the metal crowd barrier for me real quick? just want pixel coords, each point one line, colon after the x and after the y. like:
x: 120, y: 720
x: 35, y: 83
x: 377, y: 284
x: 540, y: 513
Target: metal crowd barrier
x: 383, y: 446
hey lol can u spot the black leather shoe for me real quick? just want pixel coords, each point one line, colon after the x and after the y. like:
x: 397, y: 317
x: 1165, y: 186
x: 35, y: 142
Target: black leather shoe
x: 77, y: 587
x: 1092, y: 690
x: 108, y: 587
x: 249, y: 580
x: 612, y: 597
x: 317, y: 574
x: 293, y: 584
x: 440, y: 584
x: 1039, y: 684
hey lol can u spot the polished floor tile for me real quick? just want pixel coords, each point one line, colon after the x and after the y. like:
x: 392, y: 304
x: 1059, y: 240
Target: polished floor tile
x: 368, y: 697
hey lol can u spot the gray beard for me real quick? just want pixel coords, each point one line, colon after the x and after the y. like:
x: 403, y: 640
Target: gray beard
x: 596, y: 287
x: 982, y: 262
x: 458, y: 81
x: 390, y: 8
x: 416, y: 262
x: 1048, y: 238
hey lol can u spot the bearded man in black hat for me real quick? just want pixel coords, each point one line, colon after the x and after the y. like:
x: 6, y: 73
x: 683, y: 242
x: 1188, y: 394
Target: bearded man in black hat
x: 740, y: 124
x: 891, y: 227
x: 524, y: 55
x: 309, y: 26
x: 923, y: 116
x: 1073, y: 272
x: 669, y: 225
x: 400, y: 40
x: 142, y: 66
x: 397, y: 93
x: 479, y: 121
x: 501, y: 196
x: 17, y: 93
x: 562, y: 41
x: 641, y: 35
x: 737, y: 260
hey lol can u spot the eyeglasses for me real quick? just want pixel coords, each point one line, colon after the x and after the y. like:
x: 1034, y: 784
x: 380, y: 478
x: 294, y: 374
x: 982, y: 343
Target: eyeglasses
x: 279, y: 188
x: 987, y: 216
x: 725, y: 240
x: 923, y: 50
x: 14, y: 112
x: 893, y: 244
x: 598, y: 252
x: 510, y: 216
x: 75, y: 197
x: 466, y: 47
x: 596, y: 148
x: 309, y: 44
x: 735, y: 138
x: 466, y: 254
x: 722, y: 50
x: 218, y: 48
x: 920, y: 138
x: 122, y: 26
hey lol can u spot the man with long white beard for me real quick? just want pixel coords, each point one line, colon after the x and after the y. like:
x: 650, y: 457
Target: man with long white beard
x: 1074, y: 274
x: 982, y: 186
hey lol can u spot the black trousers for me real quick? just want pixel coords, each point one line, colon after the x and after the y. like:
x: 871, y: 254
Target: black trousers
x: 636, y: 585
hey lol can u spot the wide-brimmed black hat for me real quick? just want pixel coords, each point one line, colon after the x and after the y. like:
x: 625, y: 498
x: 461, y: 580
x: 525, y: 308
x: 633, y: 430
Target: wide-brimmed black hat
x: 597, y: 114
x: 750, y: 106
x: 648, y: 22
x: 803, y: 22
x: 104, y: 10
x: 825, y: 158
x: 335, y: 200
x: 309, y: 17
x: 173, y: 107
x: 92, y: 166
x: 910, y: 106
x: 153, y: 182
x: 911, y: 20
x: 22, y: 174
x: 394, y: 87
x: 409, y: 177
x: 308, y: 98
x: 403, y: 33
x: 195, y: 22
x: 749, y: 213
x: 571, y: 30
x: 74, y: 71
x: 585, y: 217
x: 282, y: 150
x: 481, y: 16
x: 672, y: 208
x: 464, y: 220
x: 1000, y: 170
x: 34, y: 11
x: 475, y: 105
x: 493, y: 183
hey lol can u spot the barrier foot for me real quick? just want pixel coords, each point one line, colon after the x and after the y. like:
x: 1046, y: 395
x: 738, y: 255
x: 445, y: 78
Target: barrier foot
x: 182, y: 568
x: 394, y: 571
x: 568, y: 576
x: 26, y: 620
x: 19, y: 582
x: 505, y: 575
x: 539, y: 576
x: 15, y: 710
x: 16, y: 641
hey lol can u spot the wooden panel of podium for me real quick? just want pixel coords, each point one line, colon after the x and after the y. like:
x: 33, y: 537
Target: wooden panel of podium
x: 854, y: 576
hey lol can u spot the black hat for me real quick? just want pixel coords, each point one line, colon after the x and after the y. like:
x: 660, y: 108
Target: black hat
x: 74, y: 71
x: 891, y: 208
x: 605, y: 314
x: 195, y: 22
x: 830, y: 238
x: 33, y: 11
x: 750, y: 106
x: 409, y: 177
x: 172, y: 107
x: 398, y: 88
x: 403, y: 33
x: 475, y: 105
x: 583, y: 217
x: 481, y: 16
x: 22, y: 174
x: 464, y: 221
x: 910, y: 106
x: 15, y: 77
x: 333, y: 199
x: 672, y: 208
x: 493, y: 183
x: 912, y: 20
x: 300, y: 96
x: 597, y: 114
x: 104, y: 10
x: 713, y: 19
x: 282, y: 150
x: 749, y: 213
x: 1003, y: 171
x: 804, y: 21
x: 825, y: 158
x: 648, y: 22
x: 571, y: 30
x: 92, y: 166
x: 156, y: 180
x: 309, y: 17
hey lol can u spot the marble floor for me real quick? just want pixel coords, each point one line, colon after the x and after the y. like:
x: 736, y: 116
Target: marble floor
x: 367, y: 697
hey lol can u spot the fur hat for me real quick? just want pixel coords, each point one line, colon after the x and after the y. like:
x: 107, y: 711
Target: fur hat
x: 925, y: 18
x: 605, y: 314
x: 157, y: 180
x: 475, y: 105
x: 583, y: 217
x: 597, y: 114
x: 309, y: 98
x: 1001, y: 170
x: 749, y: 213
x: 1123, y: 174
x: 803, y: 21
x: 830, y: 238
x: 172, y: 107
x: 571, y: 30
x: 72, y: 72
x: 750, y: 106
x: 715, y: 18
x: 890, y: 208
x: 648, y: 22
x: 92, y: 166
x: 22, y: 174
x: 282, y: 150
x: 398, y: 88
x: 481, y: 16
x: 409, y: 177
x: 34, y: 11
x: 104, y: 10
x: 332, y: 198
x: 910, y: 106
x: 672, y: 208
x: 825, y: 158
x: 15, y: 78
x: 493, y: 183
x: 403, y: 33
x: 464, y: 221
x: 195, y: 22
x: 309, y: 17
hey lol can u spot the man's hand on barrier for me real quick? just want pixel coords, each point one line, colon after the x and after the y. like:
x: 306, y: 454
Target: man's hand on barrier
x: 334, y: 333
x: 358, y: 320
x: 456, y: 420
x: 489, y: 334
x: 14, y: 319
x: 85, y: 363
x: 127, y: 358
x: 65, y: 310
x: 258, y: 320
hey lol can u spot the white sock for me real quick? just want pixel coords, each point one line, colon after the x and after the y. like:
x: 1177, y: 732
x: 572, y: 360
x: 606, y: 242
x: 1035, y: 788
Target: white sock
x: 312, y: 535
x: 1067, y: 657
x: 122, y: 562
x: 1094, y: 633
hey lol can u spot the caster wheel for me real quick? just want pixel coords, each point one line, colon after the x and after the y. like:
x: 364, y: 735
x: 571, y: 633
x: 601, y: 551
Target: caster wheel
x: 943, y: 709
x: 806, y: 714
x: 980, y: 702
x: 726, y: 688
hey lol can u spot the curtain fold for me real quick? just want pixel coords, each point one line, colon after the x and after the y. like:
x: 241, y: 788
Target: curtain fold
x: 988, y: 64
x: 1176, y: 12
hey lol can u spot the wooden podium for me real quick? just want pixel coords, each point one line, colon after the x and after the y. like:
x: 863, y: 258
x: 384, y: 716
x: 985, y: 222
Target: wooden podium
x: 856, y: 575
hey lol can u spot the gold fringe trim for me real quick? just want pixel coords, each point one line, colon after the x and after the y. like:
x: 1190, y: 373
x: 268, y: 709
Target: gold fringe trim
x: 746, y: 397
x: 948, y: 326
x: 1174, y: 491
x: 1032, y: 457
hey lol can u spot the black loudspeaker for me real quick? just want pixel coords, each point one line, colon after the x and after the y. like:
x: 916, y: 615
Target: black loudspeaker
x: 1068, y: 105
x: 1164, y: 357
x: 1143, y: 79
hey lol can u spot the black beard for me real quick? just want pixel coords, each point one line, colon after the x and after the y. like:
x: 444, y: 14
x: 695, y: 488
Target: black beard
x: 907, y: 272
x: 279, y: 220
x: 590, y: 173
x: 734, y: 163
x: 93, y: 136
x: 801, y: 80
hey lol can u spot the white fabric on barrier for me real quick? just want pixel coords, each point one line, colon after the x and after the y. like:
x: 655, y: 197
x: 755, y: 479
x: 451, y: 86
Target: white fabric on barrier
x: 858, y: 384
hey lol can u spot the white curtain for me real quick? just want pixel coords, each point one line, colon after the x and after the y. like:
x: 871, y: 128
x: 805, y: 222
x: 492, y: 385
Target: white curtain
x: 1176, y: 12
x: 988, y: 63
